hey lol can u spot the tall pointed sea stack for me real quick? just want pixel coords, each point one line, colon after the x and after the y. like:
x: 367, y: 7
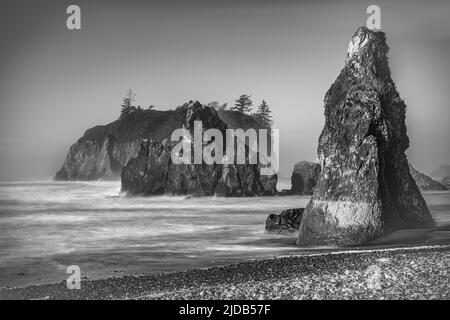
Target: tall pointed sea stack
x: 365, y: 188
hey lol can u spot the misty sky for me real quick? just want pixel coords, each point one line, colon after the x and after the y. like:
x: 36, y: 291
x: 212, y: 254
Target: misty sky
x: 56, y: 83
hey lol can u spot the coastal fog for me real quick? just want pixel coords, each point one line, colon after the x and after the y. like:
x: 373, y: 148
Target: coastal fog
x: 56, y: 83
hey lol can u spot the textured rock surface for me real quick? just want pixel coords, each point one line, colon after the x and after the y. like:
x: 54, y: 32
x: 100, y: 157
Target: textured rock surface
x: 446, y: 181
x: 304, y: 177
x: 365, y: 188
x: 103, y: 150
x: 153, y: 172
x: 87, y: 160
x: 424, y: 182
x: 286, y: 222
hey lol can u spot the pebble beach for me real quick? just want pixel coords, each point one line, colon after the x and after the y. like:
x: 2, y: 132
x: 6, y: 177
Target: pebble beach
x: 399, y: 273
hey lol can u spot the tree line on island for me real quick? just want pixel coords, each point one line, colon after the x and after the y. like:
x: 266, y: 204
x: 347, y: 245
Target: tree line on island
x: 244, y: 104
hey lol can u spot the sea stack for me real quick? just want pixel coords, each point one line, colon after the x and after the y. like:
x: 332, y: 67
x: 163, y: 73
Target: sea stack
x: 365, y: 188
x: 152, y: 172
x: 304, y: 177
x: 103, y: 150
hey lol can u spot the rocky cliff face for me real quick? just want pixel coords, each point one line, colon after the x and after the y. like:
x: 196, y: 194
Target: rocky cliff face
x: 103, y: 151
x: 424, y: 182
x: 89, y: 160
x: 365, y: 188
x: 304, y: 177
x: 153, y: 172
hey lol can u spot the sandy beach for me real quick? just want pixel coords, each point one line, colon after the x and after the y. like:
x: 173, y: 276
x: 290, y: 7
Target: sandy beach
x: 396, y: 273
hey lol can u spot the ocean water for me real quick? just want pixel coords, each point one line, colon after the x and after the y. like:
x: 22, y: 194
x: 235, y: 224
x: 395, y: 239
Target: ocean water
x: 47, y: 226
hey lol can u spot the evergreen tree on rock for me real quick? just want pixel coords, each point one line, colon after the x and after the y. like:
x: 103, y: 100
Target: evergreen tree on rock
x: 243, y: 104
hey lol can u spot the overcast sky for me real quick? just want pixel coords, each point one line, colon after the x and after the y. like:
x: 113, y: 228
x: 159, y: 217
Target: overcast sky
x: 56, y: 83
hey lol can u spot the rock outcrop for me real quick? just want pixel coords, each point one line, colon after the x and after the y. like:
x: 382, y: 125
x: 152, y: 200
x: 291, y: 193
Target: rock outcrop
x: 365, y: 188
x: 424, y: 182
x: 304, y: 177
x: 89, y: 160
x: 153, y: 172
x: 287, y: 221
x: 103, y: 151
x: 446, y: 181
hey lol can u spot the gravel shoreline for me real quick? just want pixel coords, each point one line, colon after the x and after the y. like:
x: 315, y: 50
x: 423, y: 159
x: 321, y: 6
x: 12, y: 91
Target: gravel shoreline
x: 408, y: 273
